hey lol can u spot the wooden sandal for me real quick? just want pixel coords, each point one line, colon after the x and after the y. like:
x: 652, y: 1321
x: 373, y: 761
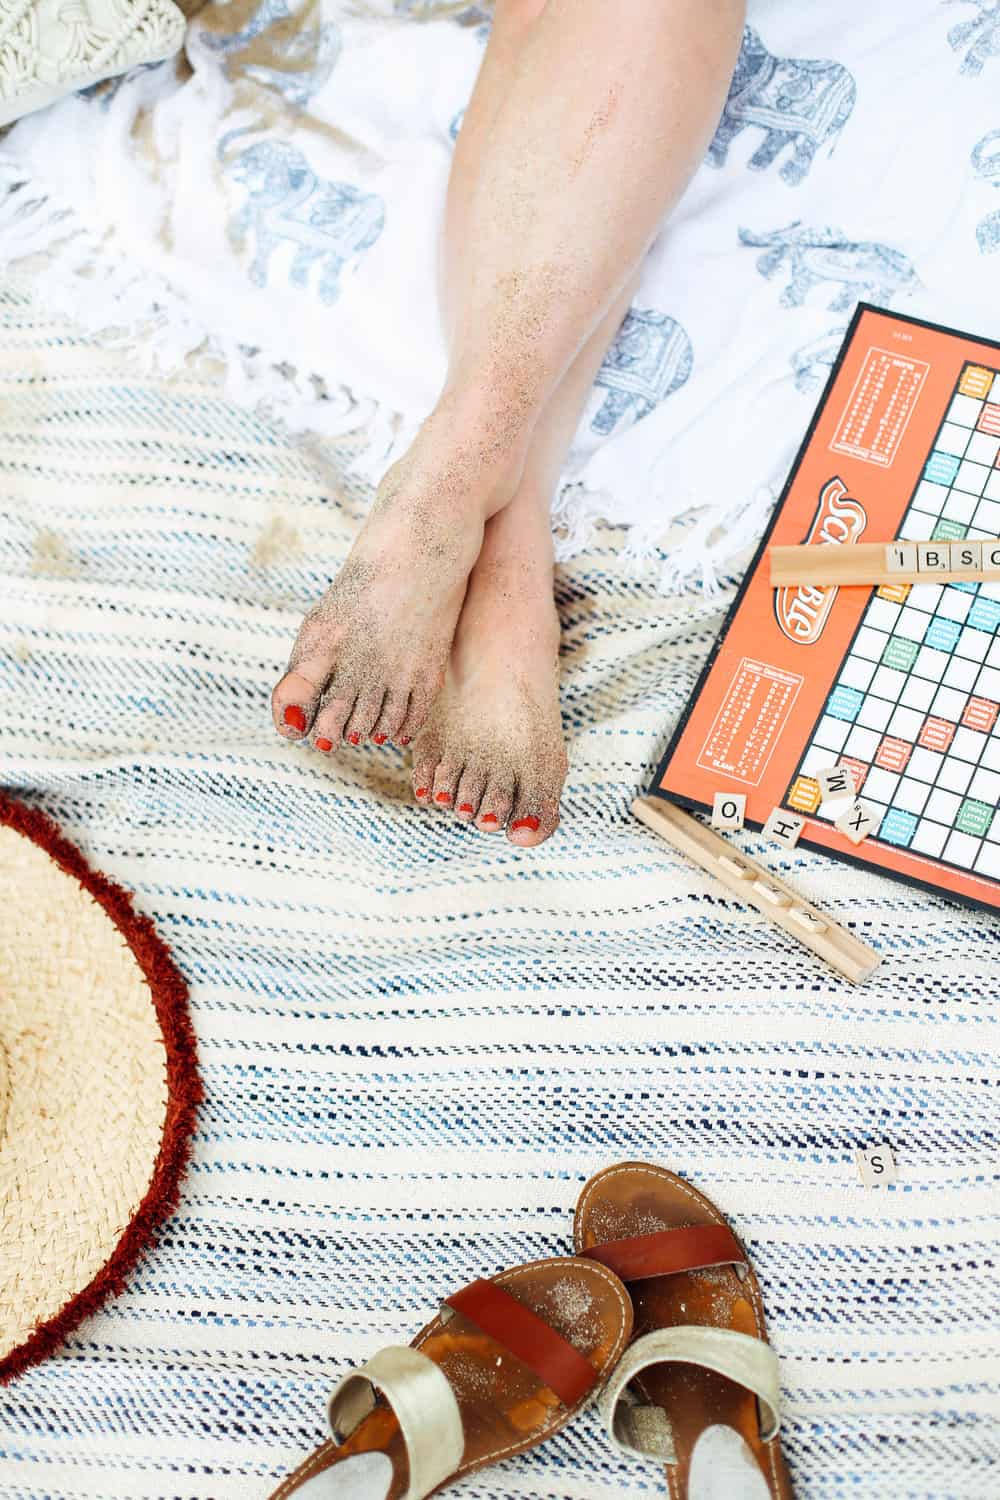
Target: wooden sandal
x: 504, y: 1365
x: 698, y: 1388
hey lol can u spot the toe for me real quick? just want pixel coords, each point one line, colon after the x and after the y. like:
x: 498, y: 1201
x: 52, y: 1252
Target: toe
x: 390, y: 720
x: 295, y: 699
x: 534, y: 818
x: 417, y: 713
x: 469, y: 793
x: 364, y: 717
x: 293, y: 705
x: 494, y: 806
x: 446, y: 779
x: 425, y: 761
x: 335, y: 709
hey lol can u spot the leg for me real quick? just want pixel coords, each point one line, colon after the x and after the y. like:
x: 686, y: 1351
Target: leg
x: 493, y: 747
x: 566, y: 186
x: 297, y: 693
x: 558, y: 228
x: 512, y: 23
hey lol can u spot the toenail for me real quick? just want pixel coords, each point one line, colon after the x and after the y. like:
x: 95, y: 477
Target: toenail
x: 466, y: 807
x: 531, y: 823
x: 443, y: 797
x: 379, y: 739
x: 294, y: 717
x: 354, y: 737
x: 322, y: 744
x: 421, y: 791
x: 404, y: 739
x: 490, y: 818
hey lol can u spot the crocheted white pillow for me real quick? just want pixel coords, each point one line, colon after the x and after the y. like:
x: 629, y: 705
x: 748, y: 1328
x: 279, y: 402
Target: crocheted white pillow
x: 52, y: 47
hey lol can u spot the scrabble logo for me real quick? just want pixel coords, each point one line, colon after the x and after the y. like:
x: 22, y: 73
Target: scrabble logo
x: 803, y: 611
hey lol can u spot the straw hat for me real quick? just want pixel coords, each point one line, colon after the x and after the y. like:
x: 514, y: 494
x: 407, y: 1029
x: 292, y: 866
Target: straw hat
x: 98, y: 1086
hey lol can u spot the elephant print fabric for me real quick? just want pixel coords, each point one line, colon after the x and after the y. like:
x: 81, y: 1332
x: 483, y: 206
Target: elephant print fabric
x: 857, y: 270
x: 651, y: 357
x: 978, y: 37
x: 986, y: 165
x: 856, y: 157
x: 799, y: 103
x: 327, y: 225
x: 478, y: 16
x: 280, y: 46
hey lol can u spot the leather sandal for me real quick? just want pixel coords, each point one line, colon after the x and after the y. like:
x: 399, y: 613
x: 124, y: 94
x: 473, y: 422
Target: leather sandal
x: 504, y: 1365
x: 697, y: 1390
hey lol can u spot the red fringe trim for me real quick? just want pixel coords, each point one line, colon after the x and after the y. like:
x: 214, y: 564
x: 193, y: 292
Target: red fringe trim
x: 184, y: 1090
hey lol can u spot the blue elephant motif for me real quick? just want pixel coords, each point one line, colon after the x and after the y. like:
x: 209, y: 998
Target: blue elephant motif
x: 305, y: 51
x: 980, y: 35
x: 988, y: 233
x: 813, y: 362
x: 986, y: 164
x: 479, y: 16
x: 862, y: 269
x: 650, y: 358
x: 986, y: 157
x: 797, y: 102
x: 329, y: 223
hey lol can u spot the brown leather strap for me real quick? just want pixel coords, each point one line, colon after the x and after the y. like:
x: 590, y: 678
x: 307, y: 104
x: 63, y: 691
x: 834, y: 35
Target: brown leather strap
x: 669, y: 1251
x: 528, y: 1337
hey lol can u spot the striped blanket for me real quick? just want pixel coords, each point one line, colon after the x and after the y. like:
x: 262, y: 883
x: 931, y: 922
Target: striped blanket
x: 417, y: 1042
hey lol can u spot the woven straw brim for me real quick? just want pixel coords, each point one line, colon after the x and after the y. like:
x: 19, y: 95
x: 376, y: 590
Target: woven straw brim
x: 85, y: 1095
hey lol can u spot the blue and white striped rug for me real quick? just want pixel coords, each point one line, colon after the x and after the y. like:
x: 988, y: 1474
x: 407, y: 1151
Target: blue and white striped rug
x: 417, y: 1043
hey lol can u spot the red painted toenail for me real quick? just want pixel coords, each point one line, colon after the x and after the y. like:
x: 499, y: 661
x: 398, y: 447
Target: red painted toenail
x: 354, y: 738
x: 379, y: 739
x: 294, y: 717
x: 322, y: 744
x: 490, y: 818
x: 466, y: 807
x: 531, y: 823
x: 404, y: 739
x: 443, y: 797
x: 421, y: 791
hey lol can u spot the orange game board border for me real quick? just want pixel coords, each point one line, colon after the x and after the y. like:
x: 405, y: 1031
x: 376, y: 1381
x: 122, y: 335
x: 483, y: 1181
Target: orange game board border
x: 808, y: 837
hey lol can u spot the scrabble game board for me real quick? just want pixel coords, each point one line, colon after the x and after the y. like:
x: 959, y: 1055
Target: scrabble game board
x: 900, y: 683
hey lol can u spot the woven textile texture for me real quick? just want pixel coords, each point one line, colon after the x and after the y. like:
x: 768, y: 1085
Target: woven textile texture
x: 98, y: 1087
x: 47, y: 51
x: 417, y: 1043
x: 78, y: 1021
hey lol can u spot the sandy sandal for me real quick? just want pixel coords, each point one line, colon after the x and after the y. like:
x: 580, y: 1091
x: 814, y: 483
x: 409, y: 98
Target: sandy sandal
x: 698, y: 1388
x: 504, y: 1365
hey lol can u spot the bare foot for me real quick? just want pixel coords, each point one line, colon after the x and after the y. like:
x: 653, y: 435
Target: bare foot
x: 369, y: 658
x: 492, y: 751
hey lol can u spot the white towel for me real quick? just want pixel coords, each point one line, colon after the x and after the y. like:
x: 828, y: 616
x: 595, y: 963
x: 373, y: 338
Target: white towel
x: 285, y: 198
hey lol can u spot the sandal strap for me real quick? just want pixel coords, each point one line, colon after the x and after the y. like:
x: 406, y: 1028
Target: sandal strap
x: 556, y: 1362
x: 668, y: 1251
x: 638, y: 1429
x: 424, y: 1405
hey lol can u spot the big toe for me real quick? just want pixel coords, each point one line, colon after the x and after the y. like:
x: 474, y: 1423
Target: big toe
x: 533, y: 819
x: 297, y: 695
x: 293, y: 705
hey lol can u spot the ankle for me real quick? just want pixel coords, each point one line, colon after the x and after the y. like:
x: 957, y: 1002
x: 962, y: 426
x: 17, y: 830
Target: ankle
x: 510, y: 594
x: 498, y: 425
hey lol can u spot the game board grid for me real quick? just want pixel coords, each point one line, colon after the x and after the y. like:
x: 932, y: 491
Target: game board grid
x: 915, y: 710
